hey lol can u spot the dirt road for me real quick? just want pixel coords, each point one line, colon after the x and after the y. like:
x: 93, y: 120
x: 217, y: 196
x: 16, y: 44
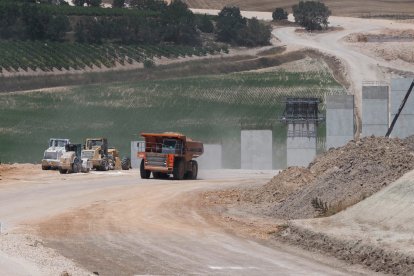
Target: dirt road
x: 118, y: 224
x: 360, y: 68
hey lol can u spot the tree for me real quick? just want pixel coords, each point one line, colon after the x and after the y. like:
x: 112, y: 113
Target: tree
x: 279, y: 14
x: 153, y: 5
x: 118, y: 3
x: 57, y: 27
x: 179, y: 25
x: 79, y: 3
x: 230, y: 22
x: 255, y: 34
x: 35, y: 22
x: 311, y: 14
x: 204, y: 24
x: 94, y: 3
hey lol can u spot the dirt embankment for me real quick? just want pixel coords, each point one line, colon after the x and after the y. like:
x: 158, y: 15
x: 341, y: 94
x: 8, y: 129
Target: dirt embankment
x: 14, y: 171
x: 334, y: 181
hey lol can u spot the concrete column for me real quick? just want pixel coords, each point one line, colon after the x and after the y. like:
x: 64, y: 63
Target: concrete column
x: 339, y: 120
x: 135, y: 161
x: 256, y: 149
x: 405, y: 124
x: 211, y: 158
x: 301, y: 144
x: 375, y: 114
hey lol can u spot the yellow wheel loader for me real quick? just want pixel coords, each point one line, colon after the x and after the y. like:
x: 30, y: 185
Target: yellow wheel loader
x: 102, y: 157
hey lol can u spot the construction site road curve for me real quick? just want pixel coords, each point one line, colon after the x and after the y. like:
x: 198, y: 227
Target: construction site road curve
x: 359, y: 68
x: 115, y: 223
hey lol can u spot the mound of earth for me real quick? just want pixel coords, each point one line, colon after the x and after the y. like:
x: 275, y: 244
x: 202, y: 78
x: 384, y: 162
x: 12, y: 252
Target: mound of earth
x: 335, y: 180
x: 282, y: 185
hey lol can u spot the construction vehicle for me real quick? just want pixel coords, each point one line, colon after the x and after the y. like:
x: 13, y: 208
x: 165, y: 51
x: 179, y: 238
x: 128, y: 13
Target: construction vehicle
x: 115, y: 161
x: 71, y: 161
x: 102, y: 157
x: 165, y: 154
x: 51, y: 156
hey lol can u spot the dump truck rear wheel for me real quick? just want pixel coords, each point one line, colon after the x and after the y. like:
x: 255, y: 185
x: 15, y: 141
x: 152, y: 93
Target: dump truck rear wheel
x: 45, y: 168
x: 179, y: 169
x: 194, y: 170
x: 62, y: 171
x: 126, y: 163
x: 145, y: 174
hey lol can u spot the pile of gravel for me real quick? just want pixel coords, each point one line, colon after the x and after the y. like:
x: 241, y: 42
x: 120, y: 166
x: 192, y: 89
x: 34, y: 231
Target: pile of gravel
x: 283, y: 184
x: 339, y: 178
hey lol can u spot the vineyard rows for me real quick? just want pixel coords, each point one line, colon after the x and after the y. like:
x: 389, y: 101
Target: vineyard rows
x: 47, y: 56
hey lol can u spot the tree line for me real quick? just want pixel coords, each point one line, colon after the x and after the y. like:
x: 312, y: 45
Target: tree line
x: 166, y: 23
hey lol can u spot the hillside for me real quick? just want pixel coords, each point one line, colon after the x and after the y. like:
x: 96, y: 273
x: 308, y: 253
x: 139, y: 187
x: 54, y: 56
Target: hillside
x: 211, y: 108
x: 338, y: 7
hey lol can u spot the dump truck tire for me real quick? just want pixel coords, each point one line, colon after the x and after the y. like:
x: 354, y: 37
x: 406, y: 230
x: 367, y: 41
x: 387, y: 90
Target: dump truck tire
x: 194, y: 170
x: 45, y: 168
x: 126, y: 163
x: 179, y: 169
x: 145, y: 174
x: 62, y: 171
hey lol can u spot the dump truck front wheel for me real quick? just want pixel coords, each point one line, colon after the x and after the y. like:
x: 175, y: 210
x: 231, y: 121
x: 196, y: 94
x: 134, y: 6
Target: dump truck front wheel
x: 145, y: 174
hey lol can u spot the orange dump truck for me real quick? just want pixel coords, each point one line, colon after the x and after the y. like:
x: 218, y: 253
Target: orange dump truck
x: 165, y: 154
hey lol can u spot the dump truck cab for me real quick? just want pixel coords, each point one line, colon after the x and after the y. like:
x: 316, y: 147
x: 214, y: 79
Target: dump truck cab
x: 52, y: 154
x: 165, y: 154
x: 96, y: 150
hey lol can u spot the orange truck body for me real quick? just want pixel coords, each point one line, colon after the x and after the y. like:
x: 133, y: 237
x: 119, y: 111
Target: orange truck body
x: 161, y: 152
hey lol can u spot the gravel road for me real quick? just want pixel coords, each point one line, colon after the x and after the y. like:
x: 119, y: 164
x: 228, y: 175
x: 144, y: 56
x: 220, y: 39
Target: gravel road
x: 117, y: 224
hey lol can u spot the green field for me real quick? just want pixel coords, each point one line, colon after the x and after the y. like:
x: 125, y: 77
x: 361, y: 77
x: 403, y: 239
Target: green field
x: 211, y: 108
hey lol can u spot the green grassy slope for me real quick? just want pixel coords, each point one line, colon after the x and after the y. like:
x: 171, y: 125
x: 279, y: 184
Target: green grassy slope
x: 210, y: 108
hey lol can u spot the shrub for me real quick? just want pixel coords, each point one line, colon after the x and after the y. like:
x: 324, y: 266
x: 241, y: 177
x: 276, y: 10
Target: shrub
x: 255, y: 34
x: 279, y: 14
x: 311, y: 14
x: 118, y: 3
x: 204, y: 24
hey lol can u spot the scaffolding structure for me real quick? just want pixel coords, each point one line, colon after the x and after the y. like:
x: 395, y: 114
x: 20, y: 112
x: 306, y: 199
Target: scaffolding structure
x: 302, y: 116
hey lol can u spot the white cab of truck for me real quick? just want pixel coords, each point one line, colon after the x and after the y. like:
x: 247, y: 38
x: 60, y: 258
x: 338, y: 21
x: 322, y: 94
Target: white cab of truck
x: 51, y: 156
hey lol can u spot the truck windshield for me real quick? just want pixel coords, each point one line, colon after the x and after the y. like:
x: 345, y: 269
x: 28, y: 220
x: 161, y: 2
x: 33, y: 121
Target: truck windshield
x: 169, y: 146
x: 94, y: 143
x: 57, y: 143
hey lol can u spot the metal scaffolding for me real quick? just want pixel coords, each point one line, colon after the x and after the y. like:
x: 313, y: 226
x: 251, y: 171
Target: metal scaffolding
x: 302, y: 115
